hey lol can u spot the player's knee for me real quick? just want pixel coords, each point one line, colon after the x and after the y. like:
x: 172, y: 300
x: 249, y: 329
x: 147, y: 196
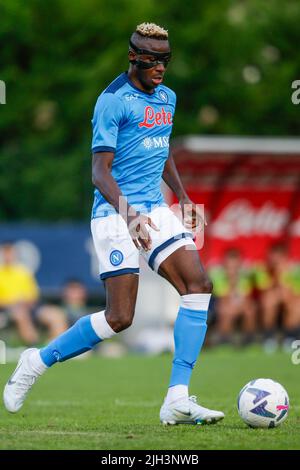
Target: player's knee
x: 208, y: 285
x: 201, y: 285
x: 119, y: 322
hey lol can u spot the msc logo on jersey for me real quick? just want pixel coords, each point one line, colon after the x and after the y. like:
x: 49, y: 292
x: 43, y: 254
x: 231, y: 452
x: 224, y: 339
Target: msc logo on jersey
x: 116, y: 257
x: 156, y: 142
x: 163, y: 96
x: 152, y: 118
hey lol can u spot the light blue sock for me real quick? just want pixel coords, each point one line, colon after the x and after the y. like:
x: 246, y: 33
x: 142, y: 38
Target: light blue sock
x: 189, y: 333
x: 78, y: 339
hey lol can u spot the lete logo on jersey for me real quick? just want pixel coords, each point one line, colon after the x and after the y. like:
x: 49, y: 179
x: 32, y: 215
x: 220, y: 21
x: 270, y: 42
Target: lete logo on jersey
x: 152, y: 118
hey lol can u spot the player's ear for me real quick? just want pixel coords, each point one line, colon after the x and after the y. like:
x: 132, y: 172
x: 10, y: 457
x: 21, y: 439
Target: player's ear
x: 131, y: 55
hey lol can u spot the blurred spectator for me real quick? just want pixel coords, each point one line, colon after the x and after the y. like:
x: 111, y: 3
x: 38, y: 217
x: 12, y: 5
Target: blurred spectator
x: 279, y: 284
x: 52, y: 318
x: 74, y: 300
x: 19, y: 294
x: 233, y: 288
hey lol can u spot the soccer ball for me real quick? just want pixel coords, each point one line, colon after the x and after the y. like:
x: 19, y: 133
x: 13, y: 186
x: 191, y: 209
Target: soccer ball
x: 263, y: 403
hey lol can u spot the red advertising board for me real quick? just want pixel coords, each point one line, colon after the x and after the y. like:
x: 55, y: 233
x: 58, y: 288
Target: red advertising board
x: 251, y: 197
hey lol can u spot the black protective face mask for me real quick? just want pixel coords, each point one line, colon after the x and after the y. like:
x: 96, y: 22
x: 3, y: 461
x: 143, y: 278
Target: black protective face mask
x: 161, y: 57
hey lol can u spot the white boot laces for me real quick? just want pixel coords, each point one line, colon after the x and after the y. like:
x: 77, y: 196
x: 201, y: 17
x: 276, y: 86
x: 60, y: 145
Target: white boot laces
x: 193, y: 398
x: 24, y: 382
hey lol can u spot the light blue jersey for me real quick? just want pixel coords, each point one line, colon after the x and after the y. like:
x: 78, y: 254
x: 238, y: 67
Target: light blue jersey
x: 136, y: 126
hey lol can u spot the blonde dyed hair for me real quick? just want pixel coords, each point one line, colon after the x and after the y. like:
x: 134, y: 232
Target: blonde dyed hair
x: 151, y: 30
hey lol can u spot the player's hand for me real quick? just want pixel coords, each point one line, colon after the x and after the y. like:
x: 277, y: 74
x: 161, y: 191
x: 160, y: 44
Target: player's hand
x: 193, y: 216
x: 139, y: 232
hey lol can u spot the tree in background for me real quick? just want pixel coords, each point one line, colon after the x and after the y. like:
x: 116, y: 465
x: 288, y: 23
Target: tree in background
x: 234, y: 62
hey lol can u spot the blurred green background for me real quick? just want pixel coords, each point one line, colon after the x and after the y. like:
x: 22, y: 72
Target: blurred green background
x: 232, y: 69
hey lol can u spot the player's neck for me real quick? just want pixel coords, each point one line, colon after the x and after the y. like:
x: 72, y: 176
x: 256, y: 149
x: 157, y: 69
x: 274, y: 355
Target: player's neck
x: 137, y: 83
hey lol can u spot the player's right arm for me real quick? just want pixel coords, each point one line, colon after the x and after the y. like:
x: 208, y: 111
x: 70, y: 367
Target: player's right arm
x: 109, y: 112
x: 107, y: 185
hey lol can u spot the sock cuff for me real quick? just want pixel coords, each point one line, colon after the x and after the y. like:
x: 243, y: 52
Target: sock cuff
x: 101, y: 326
x: 195, y: 301
x: 87, y: 330
x: 37, y: 362
x: 177, y: 391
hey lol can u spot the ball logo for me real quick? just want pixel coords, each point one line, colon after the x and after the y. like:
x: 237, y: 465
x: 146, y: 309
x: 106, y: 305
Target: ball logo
x: 116, y: 257
x: 282, y: 407
x: 152, y: 118
x: 163, y: 96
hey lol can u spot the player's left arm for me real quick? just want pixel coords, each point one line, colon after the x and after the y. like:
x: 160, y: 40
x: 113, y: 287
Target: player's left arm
x: 192, y: 215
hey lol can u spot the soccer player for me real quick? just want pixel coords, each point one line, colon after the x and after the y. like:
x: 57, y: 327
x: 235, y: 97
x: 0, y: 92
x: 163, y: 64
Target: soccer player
x: 132, y: 124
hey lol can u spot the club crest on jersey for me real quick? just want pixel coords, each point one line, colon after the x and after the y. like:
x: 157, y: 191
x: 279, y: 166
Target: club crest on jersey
x: 116, y: 257
x: 163, y: 96
x: 152, y: 118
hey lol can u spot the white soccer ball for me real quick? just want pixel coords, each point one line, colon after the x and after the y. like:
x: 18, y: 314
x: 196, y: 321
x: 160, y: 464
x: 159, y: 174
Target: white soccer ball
x: 263, y: 403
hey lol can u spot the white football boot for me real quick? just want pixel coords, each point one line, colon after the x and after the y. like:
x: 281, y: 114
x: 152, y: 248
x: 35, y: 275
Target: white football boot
x: 19, y: 383
x: 187, y: 411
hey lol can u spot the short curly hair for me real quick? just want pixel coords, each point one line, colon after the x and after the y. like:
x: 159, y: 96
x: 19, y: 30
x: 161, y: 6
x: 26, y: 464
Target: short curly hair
x: 151, y: 30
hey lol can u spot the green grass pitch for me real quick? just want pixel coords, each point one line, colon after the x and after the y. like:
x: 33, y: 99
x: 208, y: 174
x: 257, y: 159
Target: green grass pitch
x: 102, y: 403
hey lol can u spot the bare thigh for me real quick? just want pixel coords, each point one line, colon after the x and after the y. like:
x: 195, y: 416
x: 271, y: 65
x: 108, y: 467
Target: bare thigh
x: 121, y: 293
x: 184, y: 270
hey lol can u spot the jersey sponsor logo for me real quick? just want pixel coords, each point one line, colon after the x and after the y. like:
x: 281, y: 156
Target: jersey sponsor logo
x: 116, y: 257
x: 156, y: 142
x: 163, y: 96
x: 152, y: 118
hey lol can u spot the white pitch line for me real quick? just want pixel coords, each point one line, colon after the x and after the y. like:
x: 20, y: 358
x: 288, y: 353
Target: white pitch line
x: 54, y: 433
x: 117, y: 402
x: 137, y: 404
x: 54, y: 403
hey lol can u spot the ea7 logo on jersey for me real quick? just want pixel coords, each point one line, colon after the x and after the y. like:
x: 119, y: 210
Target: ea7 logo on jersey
x: 131, y: 96
x: 151, y: 118
x: 156, y: 142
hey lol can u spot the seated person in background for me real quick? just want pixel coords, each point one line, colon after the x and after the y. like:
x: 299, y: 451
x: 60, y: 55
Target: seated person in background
x: 19, y: 294
x: 278, y: 282
x: 52, y: 318
x: 74, y: 300
x: 233, y: 288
